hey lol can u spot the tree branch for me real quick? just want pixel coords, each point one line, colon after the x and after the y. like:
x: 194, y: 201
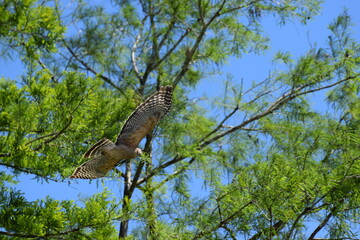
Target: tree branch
x: 231, y: 233
x: 303, y: 213
x: 124, y: 224
x: 174, y: 174
x: 167, y: 54
x: 28, y: 171
x: 274, y: 106
x: 323, y: 223
x: 191, y: 52
x: 220, y: 125
x: 55, y: 135
x: 40, y: 137
x: 45, y: 235
x: 167, y: 34
x: 147, y: 149
x: 45, y: 68
x: 222, y: 223
x: 239, y: 7
x: 276, y: 227
x: 159, y: 168
x: 87, y: 67
x: 133, y: 58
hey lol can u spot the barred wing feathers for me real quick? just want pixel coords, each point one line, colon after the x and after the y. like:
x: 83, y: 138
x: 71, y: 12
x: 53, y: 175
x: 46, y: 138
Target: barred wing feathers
x: 96, y: 149
x: 94, y: 168
x: 143, y: 120
x: 138, y: 125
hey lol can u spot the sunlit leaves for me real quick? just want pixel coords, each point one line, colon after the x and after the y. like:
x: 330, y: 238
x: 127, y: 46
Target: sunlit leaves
x: 264, y: 178
x: 29, y: 26
x: 52, y: 218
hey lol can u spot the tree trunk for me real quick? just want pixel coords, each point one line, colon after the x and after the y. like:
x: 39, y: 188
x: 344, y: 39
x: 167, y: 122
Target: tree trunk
x: 124, y: 224
x: 149, y: 194
x: 151, y: 224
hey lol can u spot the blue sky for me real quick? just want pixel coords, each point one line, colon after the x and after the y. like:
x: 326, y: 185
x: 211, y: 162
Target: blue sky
x: 293, y: 37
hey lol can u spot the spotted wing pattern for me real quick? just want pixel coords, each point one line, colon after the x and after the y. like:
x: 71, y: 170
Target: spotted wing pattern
x: 145, y: 117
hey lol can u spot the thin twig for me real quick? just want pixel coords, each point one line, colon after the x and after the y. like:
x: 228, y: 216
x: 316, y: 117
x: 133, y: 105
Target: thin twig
x: 191, y: 52
x: 87, y: 67
x: 174, y: 174
x: 28, y: 171
x: 55, y: 136
x: 222, y: 222
x: 46, y: 68
x: 40, y: 137
x: 220, y: 125
x: 167, y: 54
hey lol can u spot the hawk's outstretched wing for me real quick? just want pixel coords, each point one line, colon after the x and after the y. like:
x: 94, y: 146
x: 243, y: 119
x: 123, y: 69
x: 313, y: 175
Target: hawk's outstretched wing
x: 139, y: 124
x: 145, y: 117
x: 95, y: 168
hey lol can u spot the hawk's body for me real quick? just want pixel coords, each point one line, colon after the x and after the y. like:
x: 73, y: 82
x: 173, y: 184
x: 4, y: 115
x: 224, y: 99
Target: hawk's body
x: 106, y: 155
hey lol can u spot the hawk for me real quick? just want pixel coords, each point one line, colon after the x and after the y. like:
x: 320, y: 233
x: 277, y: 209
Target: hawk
x: 105, y: 154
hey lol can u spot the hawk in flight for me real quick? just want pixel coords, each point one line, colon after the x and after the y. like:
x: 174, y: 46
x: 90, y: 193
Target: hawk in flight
x: 105, y: 154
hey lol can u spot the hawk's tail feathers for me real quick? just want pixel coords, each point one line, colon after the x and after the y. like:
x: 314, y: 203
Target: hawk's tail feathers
x: 95, y: 150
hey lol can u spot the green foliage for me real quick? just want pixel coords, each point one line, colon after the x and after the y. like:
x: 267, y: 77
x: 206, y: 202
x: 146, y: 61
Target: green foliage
x: 51, y: 218
x: 30, y: 26
x: 268, y: 163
